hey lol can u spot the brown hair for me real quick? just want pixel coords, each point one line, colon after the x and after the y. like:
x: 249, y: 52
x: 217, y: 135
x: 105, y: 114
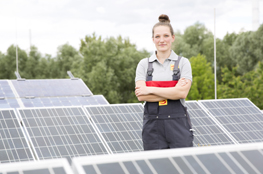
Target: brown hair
x: 163, y: 21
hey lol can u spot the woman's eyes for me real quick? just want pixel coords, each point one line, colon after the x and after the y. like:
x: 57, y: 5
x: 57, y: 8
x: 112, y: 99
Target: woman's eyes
x: 159, y: 36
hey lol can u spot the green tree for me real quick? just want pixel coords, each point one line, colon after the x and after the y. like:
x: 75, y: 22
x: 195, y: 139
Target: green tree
x: 231, y: 85
x: 229, y: 39
x: 222, y: 54
x: 8, y: 66
x: 248, y: 85
x: 66, y: 59
x: 182, y: 48
x: 32, y: 70
x: 203, y: 79
x: 242, y: 52
x: 108, y: 67
x: 195, y: 35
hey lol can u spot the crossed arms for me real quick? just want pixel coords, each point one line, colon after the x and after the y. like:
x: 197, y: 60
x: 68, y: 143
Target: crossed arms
x: 155, y: 94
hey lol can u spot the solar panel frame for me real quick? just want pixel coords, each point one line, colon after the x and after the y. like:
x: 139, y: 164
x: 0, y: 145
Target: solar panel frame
x: 53, y: 136
x: 14, y: 134
x: 210, y: 131
x: 8, y: 96
x: 5, y: 90
x: 50, y: 88
x: 49, y: 165
x: 117, y: 143
x: 202, y: 157
x: 232, y: 114
x: 64, y: 101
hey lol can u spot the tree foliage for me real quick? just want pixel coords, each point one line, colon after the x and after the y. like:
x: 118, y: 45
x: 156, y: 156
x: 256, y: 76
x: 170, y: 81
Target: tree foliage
x: 107, y: 66
x: 203, y: 79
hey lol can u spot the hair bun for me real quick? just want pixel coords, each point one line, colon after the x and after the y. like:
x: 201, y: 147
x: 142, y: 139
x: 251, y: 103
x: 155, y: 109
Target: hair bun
x: 164, y: 18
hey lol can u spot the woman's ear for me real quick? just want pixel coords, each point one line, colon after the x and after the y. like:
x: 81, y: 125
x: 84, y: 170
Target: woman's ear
x: 173, y: 38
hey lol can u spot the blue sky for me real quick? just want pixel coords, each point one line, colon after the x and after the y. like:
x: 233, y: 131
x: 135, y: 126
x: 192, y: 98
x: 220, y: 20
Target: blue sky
x: 56, y: 22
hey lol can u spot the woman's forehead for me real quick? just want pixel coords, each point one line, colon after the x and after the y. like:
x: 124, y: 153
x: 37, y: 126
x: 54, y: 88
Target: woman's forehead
x: 161, y: 30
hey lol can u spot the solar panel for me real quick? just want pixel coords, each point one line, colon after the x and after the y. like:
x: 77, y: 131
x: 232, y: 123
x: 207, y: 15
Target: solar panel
x: 65, y: 101
x: 51, y: 166
x: 61, y: 132
x: 7, y: 96
x: 120, y: 125
x: 51, y: 88
x: 241, y: 118
x: 13, y: 145
x: 207, y: 131
x: 213, y: 159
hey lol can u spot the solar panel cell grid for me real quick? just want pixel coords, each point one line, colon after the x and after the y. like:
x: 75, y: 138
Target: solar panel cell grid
x: 242, y: 119
x: 64, y: 101
x: 54, y: 166
x: 5, y: 90
x: 207, y: 132
x: 7, y: 97
x: 51, y: 88
x: 61, y: 132
x: 13, y: 144
x: 120, y: 125
x: 246, y: 158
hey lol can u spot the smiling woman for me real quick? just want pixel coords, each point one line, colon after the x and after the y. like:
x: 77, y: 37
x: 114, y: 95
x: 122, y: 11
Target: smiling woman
x: 163, y: 82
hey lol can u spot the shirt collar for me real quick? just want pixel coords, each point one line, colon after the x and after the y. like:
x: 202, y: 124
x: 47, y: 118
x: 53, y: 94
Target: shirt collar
x: 173, y: 56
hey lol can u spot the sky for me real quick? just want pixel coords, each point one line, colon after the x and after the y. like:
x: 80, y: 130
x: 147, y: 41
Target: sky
x: 47, y: 24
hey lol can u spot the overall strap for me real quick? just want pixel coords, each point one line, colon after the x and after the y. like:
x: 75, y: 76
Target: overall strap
x: 149, y: 76
x: 176, y: 70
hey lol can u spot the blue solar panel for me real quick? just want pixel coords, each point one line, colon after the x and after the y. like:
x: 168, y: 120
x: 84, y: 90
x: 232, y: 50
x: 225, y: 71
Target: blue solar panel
x: 240, y: 117
x: 51, y: 88
x: 120, y: 125
x: 207, y: 132
x: 51, y: 166
x: 65, y: 101
x: 9, y: 103
x: 7, y: 96
x: 13, y: 145
x: 61, y: 132
x: 5, y: 90
x: 214, y: 159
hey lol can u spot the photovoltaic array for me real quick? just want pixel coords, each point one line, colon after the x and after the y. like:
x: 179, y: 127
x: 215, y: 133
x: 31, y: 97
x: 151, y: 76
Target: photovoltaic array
x: 120, y: 125
x: 47, y: 93
x: 51, y: 166
x: 207, y: 131
x: 50, y: 88
x: 241, y: 118
x: 63, y: 132
x: 61, y: 118
x: 13, y: 144
x: 245, y: 158
x: 7, y: 97
x: 65, y: 101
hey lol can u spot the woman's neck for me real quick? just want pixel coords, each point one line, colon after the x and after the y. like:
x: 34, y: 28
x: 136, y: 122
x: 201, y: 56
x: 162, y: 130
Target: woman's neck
x: 161, y: 56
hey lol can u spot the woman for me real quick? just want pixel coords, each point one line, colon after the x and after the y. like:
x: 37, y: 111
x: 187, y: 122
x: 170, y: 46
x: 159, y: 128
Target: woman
x: 166, y: 123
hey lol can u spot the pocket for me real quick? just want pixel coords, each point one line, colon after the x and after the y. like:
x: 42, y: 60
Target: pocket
x: 152, y: 108
x: 179, y: 132
x: 149, y: 132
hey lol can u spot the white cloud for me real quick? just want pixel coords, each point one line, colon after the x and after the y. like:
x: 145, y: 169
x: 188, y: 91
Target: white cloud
x: 100, y: 9
x: 55, y: 22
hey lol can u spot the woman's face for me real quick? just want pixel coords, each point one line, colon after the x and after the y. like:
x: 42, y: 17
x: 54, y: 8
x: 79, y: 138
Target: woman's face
x: 163, y: 38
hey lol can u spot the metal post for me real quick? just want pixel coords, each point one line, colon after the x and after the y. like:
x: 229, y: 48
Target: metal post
x: 215, y: 51
x: 30, y: 40
x: 16, y: 53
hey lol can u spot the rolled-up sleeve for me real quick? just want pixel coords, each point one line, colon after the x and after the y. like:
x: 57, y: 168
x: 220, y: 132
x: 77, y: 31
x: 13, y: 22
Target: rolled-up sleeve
x: 186, y: 70
x: 141, y: 70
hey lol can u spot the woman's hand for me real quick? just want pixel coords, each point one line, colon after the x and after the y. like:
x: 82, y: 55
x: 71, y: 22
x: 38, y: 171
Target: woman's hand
x: 141, y: 90
x: 182, y: 82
